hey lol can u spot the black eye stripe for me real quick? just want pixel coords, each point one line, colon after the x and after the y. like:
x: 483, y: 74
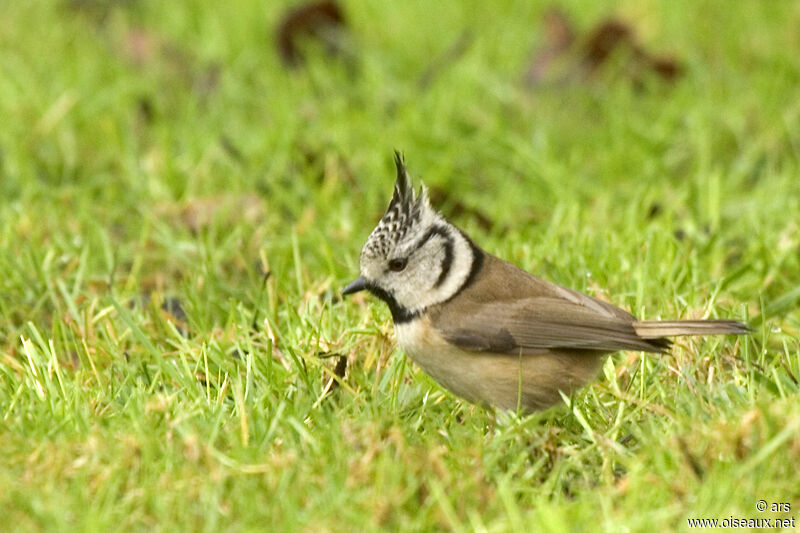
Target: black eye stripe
x: 441, y: 231
x: 447, y: 262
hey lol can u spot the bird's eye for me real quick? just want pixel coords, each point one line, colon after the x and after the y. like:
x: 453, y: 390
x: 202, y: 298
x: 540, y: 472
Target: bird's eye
x: 397, y: 264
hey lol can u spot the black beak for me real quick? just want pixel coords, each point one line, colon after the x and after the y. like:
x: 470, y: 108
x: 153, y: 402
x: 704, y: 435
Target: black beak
x: 358, y: 285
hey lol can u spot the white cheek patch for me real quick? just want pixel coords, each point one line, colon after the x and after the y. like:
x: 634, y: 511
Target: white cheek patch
x: 439, y: 270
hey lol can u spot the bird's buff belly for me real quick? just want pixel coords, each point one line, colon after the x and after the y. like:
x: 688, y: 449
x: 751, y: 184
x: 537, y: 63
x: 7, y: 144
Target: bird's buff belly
x: 527, y: 382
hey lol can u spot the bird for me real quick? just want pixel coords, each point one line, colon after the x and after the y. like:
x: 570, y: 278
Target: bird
x: 485, y: 329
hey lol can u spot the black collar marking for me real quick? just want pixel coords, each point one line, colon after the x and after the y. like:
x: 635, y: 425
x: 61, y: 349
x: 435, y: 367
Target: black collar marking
x: 477, y: 264
x: 400, y: 315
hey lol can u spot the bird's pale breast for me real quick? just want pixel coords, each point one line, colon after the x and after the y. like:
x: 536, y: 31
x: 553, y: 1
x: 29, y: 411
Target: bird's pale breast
x: 529, y: 382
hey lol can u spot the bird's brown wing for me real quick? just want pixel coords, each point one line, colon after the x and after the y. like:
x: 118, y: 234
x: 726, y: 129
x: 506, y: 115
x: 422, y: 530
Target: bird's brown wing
x: 536, y: 325
x: 507, y: 310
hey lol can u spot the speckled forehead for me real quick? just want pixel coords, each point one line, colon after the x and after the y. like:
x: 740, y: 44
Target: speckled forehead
x: 398, y: 222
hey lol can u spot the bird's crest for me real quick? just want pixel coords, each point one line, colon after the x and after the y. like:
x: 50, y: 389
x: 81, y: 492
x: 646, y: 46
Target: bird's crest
x: 403, y: 216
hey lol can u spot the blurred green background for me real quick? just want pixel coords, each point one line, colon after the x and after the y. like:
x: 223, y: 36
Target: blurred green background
x: 179, y: 207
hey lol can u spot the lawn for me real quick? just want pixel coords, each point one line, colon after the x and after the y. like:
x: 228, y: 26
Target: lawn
x: 181, y: 208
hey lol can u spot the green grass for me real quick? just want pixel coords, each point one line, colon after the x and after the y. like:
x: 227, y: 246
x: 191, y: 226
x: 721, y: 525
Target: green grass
x: 184, y: 171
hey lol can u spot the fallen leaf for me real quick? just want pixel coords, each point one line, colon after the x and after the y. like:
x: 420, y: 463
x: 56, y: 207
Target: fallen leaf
x: 322, y: 21
x: 565, y: 57
x: 605, y: 38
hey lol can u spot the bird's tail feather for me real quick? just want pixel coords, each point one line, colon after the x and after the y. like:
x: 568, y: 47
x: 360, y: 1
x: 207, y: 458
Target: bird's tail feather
x: 655, y: 329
